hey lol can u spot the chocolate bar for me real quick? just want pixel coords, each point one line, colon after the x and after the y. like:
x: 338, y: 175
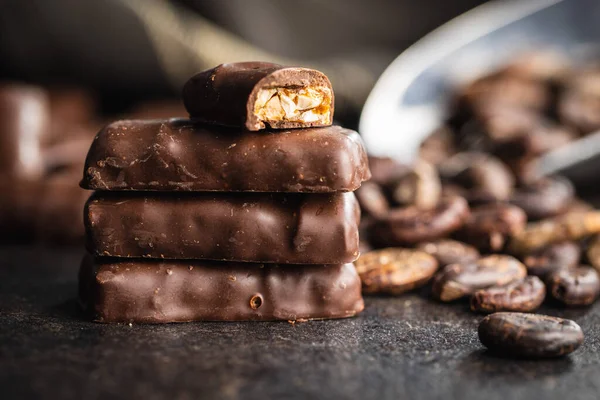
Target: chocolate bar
x: 178, y: 154
x: 154, y: 291
x: 24, y: 123
x: 253, y: 227
x: 256, y: 95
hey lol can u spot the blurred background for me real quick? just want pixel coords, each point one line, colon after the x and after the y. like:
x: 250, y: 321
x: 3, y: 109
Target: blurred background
x: 127, y: 51
x: 70, y: 66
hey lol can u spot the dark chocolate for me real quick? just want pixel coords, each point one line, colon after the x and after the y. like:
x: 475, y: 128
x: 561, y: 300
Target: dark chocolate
x: 181, y: 155
x: 154, y: 291
x: 233, y: 95
x: 253, y: 227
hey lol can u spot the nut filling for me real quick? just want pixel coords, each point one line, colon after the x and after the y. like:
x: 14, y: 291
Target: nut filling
x: 294, y: 104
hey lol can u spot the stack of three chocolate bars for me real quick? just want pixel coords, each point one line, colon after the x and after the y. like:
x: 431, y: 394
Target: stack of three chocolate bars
x: 243, y: 212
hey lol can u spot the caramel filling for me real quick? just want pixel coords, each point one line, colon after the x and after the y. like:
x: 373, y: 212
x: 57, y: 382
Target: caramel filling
x: 295, y: 104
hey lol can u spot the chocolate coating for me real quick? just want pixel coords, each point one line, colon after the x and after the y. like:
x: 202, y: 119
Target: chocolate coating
x: 253, y: 227
x: 181, y: 155
x: 529, y: 335
x: 154, y: 291
x: 225, y: 95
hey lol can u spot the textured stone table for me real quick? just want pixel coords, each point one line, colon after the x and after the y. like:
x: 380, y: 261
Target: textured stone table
x: 399, y: 348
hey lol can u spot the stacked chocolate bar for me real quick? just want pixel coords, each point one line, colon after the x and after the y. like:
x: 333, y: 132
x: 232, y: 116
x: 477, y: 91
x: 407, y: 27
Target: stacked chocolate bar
x: 218, y: 218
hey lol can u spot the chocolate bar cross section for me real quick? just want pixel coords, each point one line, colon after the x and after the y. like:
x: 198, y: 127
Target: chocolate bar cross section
x: 256, y: 95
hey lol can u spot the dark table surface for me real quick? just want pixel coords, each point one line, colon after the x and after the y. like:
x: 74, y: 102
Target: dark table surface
x: 407, y: 347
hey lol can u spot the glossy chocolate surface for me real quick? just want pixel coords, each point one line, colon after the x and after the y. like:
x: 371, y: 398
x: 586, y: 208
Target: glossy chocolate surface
x: 180, y: 155
x: 155, y: 291
x: 253, y: 227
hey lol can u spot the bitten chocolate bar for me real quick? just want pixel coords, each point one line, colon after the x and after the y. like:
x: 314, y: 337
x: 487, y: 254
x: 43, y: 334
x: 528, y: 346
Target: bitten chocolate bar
x: 259, y: 95
x: 154, y: 291
x: 180, y: 155
x: 251, y: 227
